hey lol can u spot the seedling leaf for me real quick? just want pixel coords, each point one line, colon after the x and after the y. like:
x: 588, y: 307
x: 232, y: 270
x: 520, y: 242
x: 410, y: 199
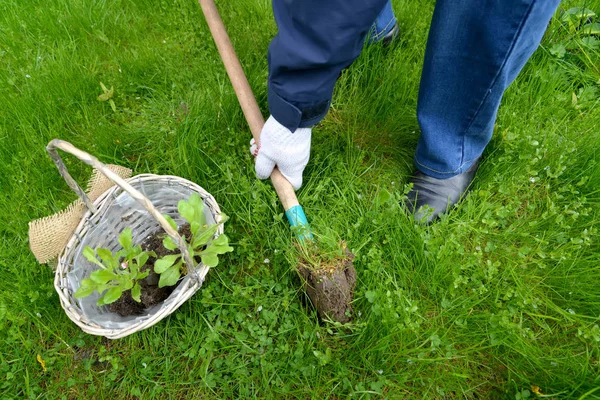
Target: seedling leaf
x: 205, y: 236
x: 170, y: 221
x: 90, y: 255
x: 102, y: 276
x: 126, y: 239
x: 220, y: 245
x: 136, y: 292
x: 87, y: 282
x: 160, y: 266
x: 170, y: 276
x: 105, y: 255
x: 112, y: 295
x: 84, y: 291
x: 194, y: 227
x: 196, y: 202
x: 210, y: 259
x: 141, y: 259
x: 186, y: 211
x: 169, y: 243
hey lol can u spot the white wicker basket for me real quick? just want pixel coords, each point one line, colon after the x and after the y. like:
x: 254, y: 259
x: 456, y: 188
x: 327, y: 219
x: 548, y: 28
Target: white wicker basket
x: 138, y: 203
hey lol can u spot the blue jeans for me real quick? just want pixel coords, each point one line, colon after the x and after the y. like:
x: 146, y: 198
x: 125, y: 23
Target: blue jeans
x: 475, y: 50
x: 385, y: 22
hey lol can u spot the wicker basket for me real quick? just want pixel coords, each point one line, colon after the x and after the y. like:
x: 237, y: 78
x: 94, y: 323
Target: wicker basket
x: 138, y: 203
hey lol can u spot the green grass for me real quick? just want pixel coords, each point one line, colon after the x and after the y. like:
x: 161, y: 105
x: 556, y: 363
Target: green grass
x: 501, y: 295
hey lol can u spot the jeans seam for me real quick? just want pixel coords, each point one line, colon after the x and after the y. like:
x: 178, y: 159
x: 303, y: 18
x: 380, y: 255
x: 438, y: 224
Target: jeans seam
x: 508, y: 54
x: 384, y: 30
x: 444, y: 173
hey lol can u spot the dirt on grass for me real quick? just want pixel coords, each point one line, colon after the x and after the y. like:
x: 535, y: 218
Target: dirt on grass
x: 151, y: 293
x: 330, y: 286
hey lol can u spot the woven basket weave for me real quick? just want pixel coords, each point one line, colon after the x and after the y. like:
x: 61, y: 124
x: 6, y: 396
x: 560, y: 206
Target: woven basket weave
x: 137, y: 203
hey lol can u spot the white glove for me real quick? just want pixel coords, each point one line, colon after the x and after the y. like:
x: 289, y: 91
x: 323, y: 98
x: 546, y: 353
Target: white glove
x: 279, y: 146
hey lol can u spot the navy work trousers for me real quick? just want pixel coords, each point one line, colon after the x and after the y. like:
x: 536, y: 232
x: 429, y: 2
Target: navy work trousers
x: 475, y: 49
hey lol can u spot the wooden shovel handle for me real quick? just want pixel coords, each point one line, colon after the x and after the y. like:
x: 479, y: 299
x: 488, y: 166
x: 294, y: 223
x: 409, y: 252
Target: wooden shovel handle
x: 255, y: 120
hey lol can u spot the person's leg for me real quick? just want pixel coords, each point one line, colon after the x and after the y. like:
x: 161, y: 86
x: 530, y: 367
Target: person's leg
x: 475, y: 49
x: 385, y: 28
x: 315, y: 41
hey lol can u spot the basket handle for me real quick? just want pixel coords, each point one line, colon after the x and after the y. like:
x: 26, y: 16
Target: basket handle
x: 137, y: 195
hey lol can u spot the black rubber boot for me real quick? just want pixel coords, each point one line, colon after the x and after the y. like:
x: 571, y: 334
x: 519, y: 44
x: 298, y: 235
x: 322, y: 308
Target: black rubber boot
x: 430, y: 197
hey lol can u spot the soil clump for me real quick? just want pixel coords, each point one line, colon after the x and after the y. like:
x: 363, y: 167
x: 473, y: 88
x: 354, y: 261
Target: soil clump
x: 330, y: 287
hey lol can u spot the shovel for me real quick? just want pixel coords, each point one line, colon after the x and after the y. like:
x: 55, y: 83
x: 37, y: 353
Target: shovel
x: 330, y: 291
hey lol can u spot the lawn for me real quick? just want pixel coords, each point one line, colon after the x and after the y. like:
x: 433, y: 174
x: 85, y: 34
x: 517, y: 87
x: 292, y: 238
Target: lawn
x: 498, y: 300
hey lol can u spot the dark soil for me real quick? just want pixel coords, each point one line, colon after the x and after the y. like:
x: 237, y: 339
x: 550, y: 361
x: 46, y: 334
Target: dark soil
x: 331, y: 287
x: 151, y: 293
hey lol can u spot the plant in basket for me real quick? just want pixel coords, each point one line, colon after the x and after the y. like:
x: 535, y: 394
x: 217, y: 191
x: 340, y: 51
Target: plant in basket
x: 118, y: 272
x: 199, y: 244
x: 137, y: 277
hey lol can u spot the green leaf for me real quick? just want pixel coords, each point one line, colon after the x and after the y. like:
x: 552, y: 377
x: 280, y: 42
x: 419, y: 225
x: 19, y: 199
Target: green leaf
x: 136, y: 292
x: 170, y: 221
x: 204, y: 236
x: 196, y: 202
x: 126, y: 239
x: 577, y: 13
x: 84, y: 291
x: 371, y: 296
x: 191, y: 251
x: 127, y: 283
x: 220, y: 245
x: 160, y: 266
x: 590, y: 42
x: 137, y: 250
x: 87, y: 282
x: 105, y: 255
x: 591, y: 29
x: 558, y: 50
x: 194, y: 227
x: 102, y: 287
x: 141, y: 259
x: 186, y: 211
x: 102, y: 276
x: 112, y: 104
x: 107, y: 95
x: 383, y: 197
x: 132, y: 269
x: 209, y: 259
x: 169, y: 243
x: 170, y: 276
x: 142, y: 275
x: 223, y: 218
x: 89, y: 253
x: 112, y: 295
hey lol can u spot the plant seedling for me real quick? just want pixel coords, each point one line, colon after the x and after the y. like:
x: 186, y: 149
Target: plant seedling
x: 201, y: 244
x: 118, y: 272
